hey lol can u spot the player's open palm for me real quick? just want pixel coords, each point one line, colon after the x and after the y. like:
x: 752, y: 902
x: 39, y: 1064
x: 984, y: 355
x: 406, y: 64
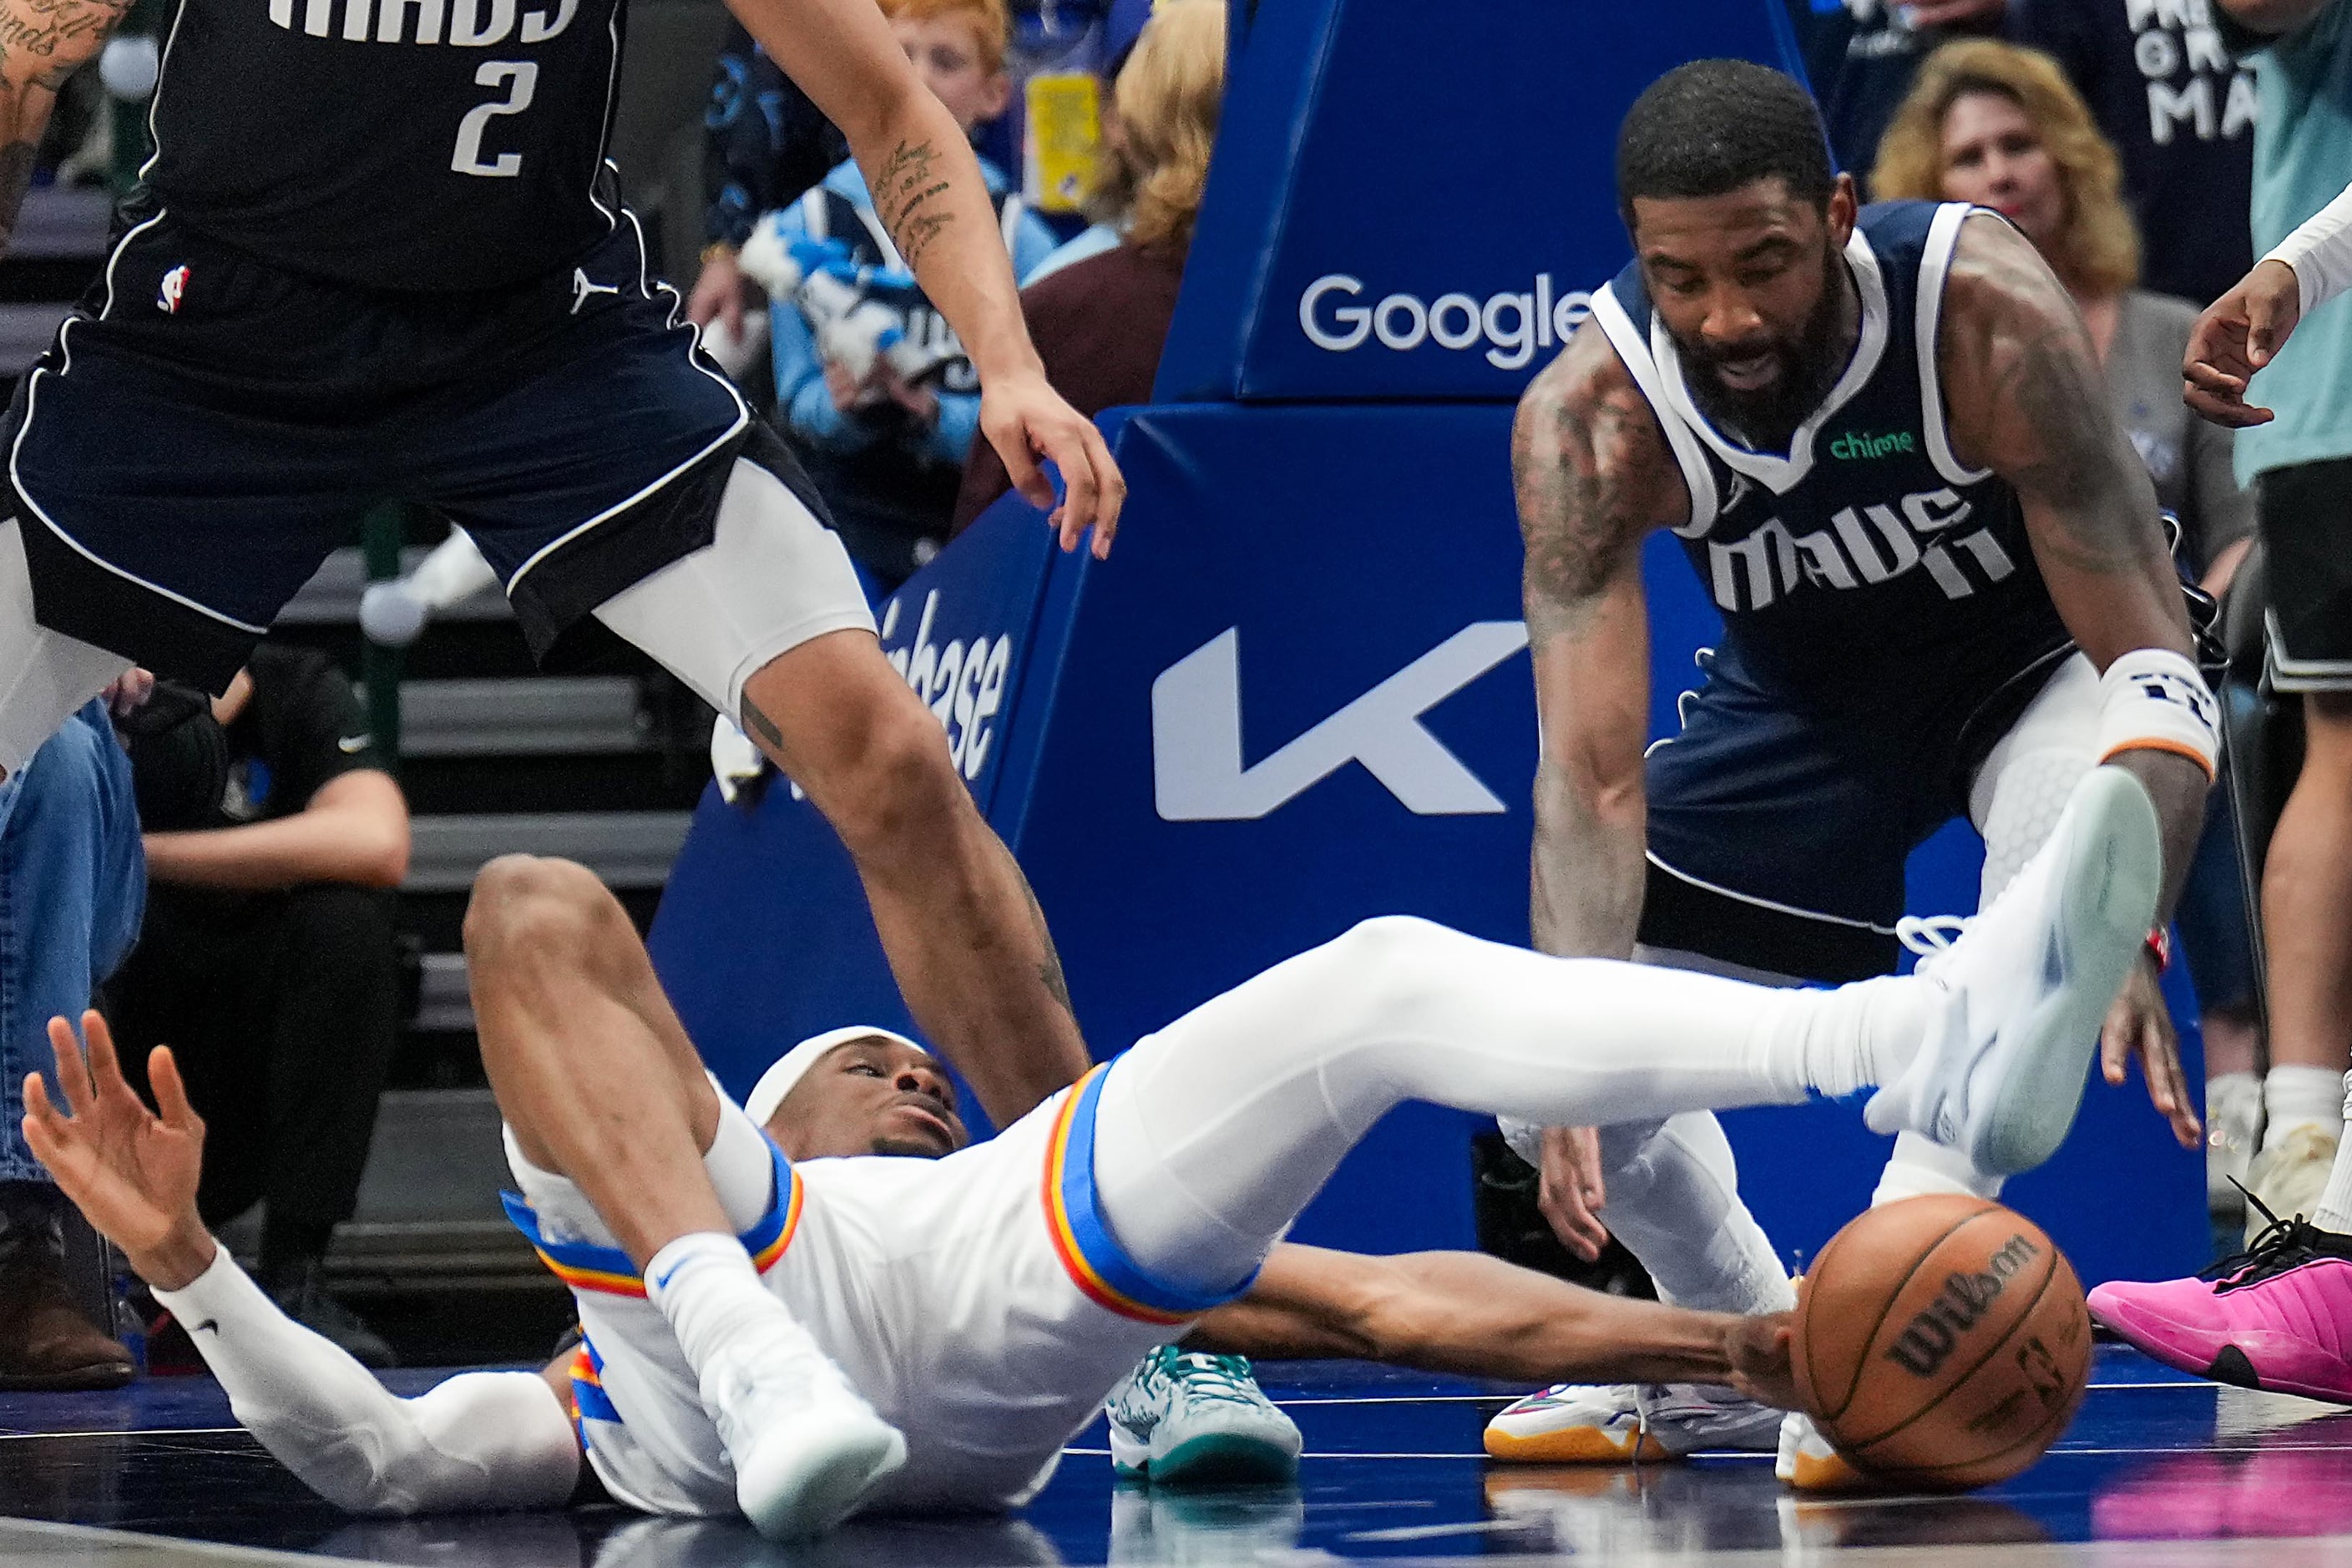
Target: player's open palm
x: 132, y: 1173
x: 1026, y: 421
x: 2239, y: 334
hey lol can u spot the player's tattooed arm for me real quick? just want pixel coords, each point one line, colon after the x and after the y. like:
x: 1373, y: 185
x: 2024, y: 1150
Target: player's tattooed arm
x: 2028, y: 400
x: 1592, y: 476
x: 42, y: 43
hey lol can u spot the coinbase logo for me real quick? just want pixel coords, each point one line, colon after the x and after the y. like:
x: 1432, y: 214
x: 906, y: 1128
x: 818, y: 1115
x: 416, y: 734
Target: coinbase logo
x: 1510, y: 326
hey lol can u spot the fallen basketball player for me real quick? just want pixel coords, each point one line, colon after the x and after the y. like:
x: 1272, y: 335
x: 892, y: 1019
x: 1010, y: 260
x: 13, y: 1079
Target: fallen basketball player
x: 807, y: 1337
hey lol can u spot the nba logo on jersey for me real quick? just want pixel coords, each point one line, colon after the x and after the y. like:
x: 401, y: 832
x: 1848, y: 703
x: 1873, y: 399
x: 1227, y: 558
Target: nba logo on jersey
x: 175, y: 283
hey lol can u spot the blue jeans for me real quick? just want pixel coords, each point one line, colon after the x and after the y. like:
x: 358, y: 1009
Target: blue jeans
x: 73, y: 888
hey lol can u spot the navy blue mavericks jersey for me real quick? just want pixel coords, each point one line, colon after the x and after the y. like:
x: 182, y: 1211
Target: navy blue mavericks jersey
x: 400, y: 144
x: 1865, y: 572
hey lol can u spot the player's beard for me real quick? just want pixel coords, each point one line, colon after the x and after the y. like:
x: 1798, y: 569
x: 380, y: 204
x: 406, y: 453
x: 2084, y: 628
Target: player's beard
x: 1811, y: 358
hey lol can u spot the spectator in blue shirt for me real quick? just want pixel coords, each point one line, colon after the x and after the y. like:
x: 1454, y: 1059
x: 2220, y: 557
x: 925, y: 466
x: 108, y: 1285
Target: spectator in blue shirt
x: 885, y: 407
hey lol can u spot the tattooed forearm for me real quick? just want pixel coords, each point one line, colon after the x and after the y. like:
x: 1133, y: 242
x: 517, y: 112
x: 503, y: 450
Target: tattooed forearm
x: 42, y: 43
x: 1581, y: 466
x: 911, y: 193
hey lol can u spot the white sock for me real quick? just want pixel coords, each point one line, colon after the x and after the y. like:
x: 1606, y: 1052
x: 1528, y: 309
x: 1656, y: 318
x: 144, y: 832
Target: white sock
x: 1854, y: 1037
x: 2296, y: 1097
x: 2334, y: 1210
x: 2234, y: 1104
x: 705, y: 1284
x: 1920, y: 1166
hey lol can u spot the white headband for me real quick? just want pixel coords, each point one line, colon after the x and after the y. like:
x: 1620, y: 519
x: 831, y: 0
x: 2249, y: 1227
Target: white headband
x: 778, y: 1080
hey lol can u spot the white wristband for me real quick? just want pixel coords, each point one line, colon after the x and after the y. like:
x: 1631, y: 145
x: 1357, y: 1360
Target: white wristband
x: 2152, y: 698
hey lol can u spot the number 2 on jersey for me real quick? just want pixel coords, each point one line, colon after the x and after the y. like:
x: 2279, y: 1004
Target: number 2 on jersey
x: 521, y: 79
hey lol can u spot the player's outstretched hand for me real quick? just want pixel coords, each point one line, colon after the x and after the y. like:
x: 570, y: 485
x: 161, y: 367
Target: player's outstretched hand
x: 2238, y: 335
x: 1571, y: 1192
x: 2139, y: 1025
x: 1025, y: 420
x: 1757, y: 1349
x: 132, y: 1173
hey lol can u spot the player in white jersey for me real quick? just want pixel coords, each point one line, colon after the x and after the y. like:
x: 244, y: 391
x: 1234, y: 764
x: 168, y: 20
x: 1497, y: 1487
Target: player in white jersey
x: 807, y: 1339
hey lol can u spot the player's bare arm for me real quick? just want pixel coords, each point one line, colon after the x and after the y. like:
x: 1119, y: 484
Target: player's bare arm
x: 42, y: 42
x: 1469, y: 1314
x: 929, y: 194
x: 2027, y: 399
x: 1594, y: 476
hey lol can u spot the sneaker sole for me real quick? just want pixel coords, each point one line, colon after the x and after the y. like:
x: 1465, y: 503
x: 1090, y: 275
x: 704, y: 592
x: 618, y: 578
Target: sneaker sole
x: 1222, y: 1459
x: 2105, y: 904
x: 790, y: 1494
x: 1574, y: 1445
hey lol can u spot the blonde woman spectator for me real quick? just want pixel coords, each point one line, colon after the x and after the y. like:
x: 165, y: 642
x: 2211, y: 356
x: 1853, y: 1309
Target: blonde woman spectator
x: 2001, y: 126
x: 1099, y: 323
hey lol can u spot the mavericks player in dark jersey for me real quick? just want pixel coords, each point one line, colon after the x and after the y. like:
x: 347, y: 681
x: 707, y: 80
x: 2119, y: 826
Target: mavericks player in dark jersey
x: 1884, y: 440
x: 379, y: 254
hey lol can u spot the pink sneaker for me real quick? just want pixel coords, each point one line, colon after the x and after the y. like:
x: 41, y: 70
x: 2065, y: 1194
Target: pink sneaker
x: 2277, y: 1316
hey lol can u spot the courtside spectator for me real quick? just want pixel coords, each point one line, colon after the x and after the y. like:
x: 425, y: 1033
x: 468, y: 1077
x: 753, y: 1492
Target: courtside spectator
x: 2180, y: 111
x: 885, y: 417
x: 1860, y: 55
x: 1100, y: 323
x: 275, y: 838
x: 2001, y: 126
x: 2301, y: 463
x: 70, y: 889
x: 763, y: 144
x: 1110, y: 190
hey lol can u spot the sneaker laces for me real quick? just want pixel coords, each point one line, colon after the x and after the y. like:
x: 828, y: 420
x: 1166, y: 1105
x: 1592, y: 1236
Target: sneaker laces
x: 1930, y: 937
x: 1205, y: 1376
x: 2280, y: 1246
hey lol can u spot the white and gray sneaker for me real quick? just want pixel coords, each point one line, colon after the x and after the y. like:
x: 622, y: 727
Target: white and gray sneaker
x: 1184, y: 1418
x: 1571, y: 1423
x: 805, y: 1447
x: 2023, y: 990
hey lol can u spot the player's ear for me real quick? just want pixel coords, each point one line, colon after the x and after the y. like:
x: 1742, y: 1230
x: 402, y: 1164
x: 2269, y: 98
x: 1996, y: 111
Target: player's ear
x: 1844, y: 208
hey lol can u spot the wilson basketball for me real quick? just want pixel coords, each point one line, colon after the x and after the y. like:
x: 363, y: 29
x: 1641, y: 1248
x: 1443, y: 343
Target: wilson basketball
x: 1941, y: 1343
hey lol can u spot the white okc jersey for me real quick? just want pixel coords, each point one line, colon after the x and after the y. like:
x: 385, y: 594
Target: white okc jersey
x: 976, y: 1302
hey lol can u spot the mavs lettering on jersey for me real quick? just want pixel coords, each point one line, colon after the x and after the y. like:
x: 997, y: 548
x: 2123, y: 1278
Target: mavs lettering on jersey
x: 1867, y: 550
x: 400, y: 144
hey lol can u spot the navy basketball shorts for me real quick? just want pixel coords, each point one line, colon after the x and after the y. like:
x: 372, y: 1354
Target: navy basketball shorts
x: 2305, y: 515
x: 1778, y: 836
x: 207, y: 428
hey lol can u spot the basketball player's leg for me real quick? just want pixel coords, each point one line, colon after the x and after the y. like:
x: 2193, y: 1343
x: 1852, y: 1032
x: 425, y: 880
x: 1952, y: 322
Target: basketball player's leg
x: 636, y: 1168
x: 768, y: 623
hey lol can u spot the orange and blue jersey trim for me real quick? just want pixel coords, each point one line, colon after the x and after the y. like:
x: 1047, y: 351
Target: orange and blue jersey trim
x: 1097, y: 1264
x: 589, y: 1400
x: 584, y: 1266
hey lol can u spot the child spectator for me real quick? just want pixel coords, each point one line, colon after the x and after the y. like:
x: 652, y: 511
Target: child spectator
x: 886, y: 432
x: 1100, y: 322
x: 274, y: 840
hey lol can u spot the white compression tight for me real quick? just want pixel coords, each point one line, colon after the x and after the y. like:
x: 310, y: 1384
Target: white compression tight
x: 1214, y: 1133
x: 44, y: 675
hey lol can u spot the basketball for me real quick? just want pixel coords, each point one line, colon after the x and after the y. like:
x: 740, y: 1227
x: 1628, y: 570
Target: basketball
x: 1941, y: 1343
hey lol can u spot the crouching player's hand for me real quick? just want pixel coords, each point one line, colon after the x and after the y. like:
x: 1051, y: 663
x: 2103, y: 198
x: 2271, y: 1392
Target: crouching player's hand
x: 132, y: 1172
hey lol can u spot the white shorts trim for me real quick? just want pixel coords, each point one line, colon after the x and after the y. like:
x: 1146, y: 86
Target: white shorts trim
x: 1774, y: 906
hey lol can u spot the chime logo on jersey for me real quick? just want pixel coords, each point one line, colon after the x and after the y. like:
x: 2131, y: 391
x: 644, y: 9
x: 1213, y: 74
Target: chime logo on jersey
x: 175, y: 283
x: 1862, y: 546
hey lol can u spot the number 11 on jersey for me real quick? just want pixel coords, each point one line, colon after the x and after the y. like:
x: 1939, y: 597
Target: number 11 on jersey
x: 521, y: 79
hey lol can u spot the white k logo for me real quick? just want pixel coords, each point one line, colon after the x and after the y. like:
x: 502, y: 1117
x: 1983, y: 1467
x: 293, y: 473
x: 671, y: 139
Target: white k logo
x: 1196, y: 734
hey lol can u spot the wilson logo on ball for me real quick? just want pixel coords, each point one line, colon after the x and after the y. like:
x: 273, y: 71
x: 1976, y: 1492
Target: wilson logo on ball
x: 1928, y: 1339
